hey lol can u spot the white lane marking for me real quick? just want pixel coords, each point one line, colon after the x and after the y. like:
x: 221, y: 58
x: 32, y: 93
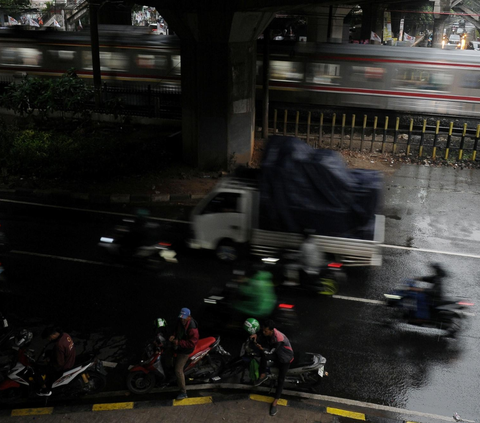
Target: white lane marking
x: 28, y: 203
x: 362, y: 300
x: 28, y: 253
x: 426, y: 250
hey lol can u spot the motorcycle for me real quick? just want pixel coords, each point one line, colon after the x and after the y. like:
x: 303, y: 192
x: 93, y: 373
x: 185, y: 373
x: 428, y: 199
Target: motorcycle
x: 87, y: 377
x: 4, y: 244
x: 447, y: 314
x: 219, y: 311
x: 135, y: 242
x: 205, y: 363
x: 11, y: 340
x: 326, y: 281
x: 4, y: 248
x: 306, y: 371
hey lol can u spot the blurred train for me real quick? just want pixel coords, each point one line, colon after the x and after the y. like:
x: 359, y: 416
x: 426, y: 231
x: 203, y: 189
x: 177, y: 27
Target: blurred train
x: 399, y: 79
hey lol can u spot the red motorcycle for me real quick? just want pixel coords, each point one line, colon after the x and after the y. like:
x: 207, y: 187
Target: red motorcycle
x: 205, y: 363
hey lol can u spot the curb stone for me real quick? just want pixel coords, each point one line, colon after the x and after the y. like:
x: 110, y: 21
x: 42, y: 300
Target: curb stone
x: 101, y: 198
x: 330, y: 414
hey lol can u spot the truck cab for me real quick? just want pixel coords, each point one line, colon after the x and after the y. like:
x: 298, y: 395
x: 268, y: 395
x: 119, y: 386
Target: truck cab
x: 222, y: 221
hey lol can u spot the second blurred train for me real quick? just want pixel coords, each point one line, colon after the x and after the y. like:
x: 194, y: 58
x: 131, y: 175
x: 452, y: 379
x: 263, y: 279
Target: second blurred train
x: 399, y: 79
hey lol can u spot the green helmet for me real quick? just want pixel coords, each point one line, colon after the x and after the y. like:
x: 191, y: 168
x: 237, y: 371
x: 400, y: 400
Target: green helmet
x: 160, y: 323
x: 251, y: 325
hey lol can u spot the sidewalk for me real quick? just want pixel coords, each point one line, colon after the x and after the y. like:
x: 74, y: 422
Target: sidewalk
x: 206, y: 405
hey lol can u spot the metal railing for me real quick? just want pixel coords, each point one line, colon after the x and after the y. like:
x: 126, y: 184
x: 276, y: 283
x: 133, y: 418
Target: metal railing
x: 132, y: 100
x: 421, y: 139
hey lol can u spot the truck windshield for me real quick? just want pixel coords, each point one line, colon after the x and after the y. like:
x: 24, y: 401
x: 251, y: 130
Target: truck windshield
x: 225, y: 202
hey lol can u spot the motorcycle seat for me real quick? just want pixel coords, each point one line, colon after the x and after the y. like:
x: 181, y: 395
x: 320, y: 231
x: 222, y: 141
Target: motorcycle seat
x: 301, y: 360
x: 202, y: 344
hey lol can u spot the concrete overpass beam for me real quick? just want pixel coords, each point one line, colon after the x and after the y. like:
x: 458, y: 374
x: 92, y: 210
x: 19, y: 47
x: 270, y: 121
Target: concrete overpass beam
x: 218, y: 84
x: 372, y: 20
x: 440, y: 6
x: 325, y: 24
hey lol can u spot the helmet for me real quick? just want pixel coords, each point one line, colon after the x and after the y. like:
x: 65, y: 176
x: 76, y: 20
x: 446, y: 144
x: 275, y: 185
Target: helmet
x: 439, y: 270
x: 251, y: 325
x: 160, y: 323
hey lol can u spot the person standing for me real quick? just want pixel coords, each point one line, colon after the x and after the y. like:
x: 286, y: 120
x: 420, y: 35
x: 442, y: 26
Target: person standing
x: 274, y: 345
x: 184, y: 340
x: 311, y: 260
x: 61, y: 359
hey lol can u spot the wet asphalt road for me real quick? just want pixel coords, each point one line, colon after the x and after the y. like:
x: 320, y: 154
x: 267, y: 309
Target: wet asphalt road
x: 57, y: 275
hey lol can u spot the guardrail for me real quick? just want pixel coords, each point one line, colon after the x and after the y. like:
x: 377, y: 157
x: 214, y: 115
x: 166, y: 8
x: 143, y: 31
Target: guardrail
x: 133, y: 100
x: 435, y: 141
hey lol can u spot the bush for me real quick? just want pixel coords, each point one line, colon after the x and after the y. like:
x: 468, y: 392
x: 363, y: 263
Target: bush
x: 65, y: 94
x: 90, y: 153
x: 41, y: 154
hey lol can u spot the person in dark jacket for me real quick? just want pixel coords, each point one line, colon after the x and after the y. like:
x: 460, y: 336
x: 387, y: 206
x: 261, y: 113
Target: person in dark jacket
x: 61, y: 358
x: 184, y: 340
x: 275, y: 346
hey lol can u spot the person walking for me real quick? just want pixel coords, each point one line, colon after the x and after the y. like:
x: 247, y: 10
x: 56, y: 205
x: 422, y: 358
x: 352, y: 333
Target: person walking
x: 184, y: 340
x: 274, y: 345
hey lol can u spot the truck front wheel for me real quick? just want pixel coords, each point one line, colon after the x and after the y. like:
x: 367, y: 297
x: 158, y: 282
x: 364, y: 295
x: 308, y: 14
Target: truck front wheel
x: 227, y: 251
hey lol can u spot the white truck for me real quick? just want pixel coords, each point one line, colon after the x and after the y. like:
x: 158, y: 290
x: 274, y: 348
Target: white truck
x: 227, y: 220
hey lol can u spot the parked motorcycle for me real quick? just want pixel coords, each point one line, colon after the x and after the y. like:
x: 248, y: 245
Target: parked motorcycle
x: 447, y: 314
x: 11, y: 340
x: 205, y: 363
x: 4, y: 244
x: 306, y: 372
x: 4, y: 248
x: 87, y: 377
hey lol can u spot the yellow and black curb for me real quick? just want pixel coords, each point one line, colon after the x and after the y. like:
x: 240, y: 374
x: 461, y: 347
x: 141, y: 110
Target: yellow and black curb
x: 346, y: 415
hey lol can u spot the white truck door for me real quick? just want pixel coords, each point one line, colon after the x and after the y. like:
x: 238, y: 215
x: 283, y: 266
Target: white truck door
x: 221, y: 217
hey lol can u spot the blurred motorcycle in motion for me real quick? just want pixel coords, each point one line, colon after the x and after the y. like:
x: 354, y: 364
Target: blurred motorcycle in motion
x: 138, y: 241
x: 414, y: 304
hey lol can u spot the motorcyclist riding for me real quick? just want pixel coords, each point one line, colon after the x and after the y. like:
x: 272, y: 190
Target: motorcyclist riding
x: 256, y: 295
x: 436, y: 292
x: 137, y: 234
x: 428, y: 298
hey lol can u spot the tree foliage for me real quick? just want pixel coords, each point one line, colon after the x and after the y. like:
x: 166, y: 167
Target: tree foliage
x: 68, y: 93
x: 14, y: 5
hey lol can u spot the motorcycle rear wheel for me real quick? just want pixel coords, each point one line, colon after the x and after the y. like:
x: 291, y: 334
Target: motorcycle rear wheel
x: 234, y: 370
x: 96, y: 383
x: 10, y: 395
x: 140, y: 382
x: 313, y: 382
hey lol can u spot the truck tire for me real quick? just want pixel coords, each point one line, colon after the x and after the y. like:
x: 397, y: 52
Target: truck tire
x: 227, y: 251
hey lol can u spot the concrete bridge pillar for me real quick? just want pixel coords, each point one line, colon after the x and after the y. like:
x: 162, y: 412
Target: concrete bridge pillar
x: 218, y: 83
x: 372, y: 20
x: 325, y: 24
x: 439, y: 21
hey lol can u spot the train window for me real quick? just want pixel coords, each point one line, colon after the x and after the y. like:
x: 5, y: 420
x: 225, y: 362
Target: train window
x: 286, y: 71
x: 21, y: 56
x: 422, y: 79
x: 109, y: 61
x: 112, y: 60
x: 62, y: 55
x: 471, y: 80
x: 150, y: 61
x: 367, y: 74
x: 176, y: 65
x: 323, y: 73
